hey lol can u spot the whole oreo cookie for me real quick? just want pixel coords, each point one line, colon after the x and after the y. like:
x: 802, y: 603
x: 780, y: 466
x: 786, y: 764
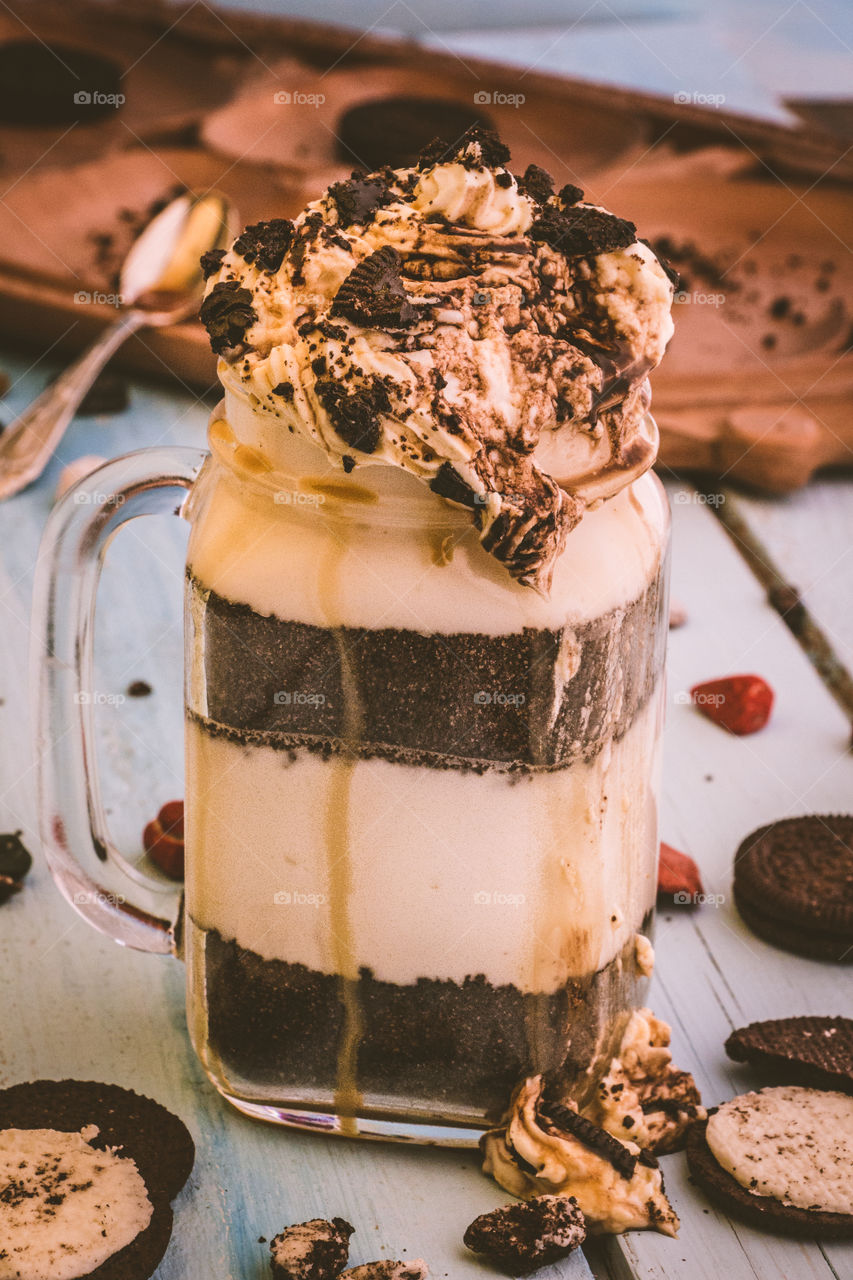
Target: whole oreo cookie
x: 138, y: 1128
x: 808, y: 1050
x: 762, y: 1211
x: 793, y: 885
x: 393, y: 131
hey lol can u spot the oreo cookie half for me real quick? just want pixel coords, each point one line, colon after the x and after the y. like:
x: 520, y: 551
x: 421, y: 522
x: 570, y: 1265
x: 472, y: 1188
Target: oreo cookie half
x: 140, y: 1130
x: 802, y: 1162
x: 793, y: 885
x: 808, y: 1050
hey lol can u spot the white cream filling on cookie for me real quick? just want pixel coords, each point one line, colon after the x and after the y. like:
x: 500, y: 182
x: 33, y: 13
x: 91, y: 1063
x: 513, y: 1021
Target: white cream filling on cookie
x: 790, y: 1143
x: 65, y: 1206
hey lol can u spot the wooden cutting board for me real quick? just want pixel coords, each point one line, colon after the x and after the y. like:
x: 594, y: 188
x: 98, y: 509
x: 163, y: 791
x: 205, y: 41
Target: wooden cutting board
x: 758, y: 382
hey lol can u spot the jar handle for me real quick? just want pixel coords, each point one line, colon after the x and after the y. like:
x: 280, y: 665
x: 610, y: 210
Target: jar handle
x: 71, y: 814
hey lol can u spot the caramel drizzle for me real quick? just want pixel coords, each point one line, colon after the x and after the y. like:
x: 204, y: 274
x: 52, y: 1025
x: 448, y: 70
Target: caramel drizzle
x: 348, y: 1098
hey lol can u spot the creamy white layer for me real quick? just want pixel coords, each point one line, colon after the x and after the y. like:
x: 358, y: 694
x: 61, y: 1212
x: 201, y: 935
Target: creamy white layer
x: 528, y: 881
x: 67, y: 1207
x: 385, y: 552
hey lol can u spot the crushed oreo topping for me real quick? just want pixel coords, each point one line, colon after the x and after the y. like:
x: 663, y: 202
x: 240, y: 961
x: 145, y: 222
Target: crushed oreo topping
x: 265, y: 243
x: 211, y: 261
x: 597, y: 1140
x: 520, y: 1238
x: 302, y: 239
x: 373, y: 294
x: 477, y: 148
x: 536, y: 183
x: 283, y: 389
x: 357, y: 199
x: 569, y: 195
x: 226, y: 314
x: 578, y: 232
x: 315, y: 1250
x: 355, y: 415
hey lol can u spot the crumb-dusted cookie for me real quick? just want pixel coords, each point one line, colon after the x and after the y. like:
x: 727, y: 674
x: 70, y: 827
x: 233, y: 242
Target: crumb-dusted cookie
x: 781, y: 1159
x: 386, y: 1269
x: 314, y: 1250
x: 793, y: 885
x: 808, y: 1050
x: 87, y: 1171
x: 519, y: 1238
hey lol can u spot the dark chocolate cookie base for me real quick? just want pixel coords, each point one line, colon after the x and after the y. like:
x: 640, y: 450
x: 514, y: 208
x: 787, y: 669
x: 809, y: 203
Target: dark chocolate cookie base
x: 461, y: 700
x: 463, y: 1044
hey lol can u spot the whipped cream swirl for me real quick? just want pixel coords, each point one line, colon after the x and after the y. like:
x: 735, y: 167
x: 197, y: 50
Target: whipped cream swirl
x: 487, y: 335
x: 534, y: 1153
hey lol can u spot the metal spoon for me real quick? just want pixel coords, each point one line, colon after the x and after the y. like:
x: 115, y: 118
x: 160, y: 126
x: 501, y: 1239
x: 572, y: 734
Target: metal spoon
x: 160, y: 284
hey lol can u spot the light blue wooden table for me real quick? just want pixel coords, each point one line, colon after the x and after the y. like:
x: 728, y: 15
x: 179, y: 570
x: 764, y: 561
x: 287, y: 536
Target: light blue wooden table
x: 74, y: 1004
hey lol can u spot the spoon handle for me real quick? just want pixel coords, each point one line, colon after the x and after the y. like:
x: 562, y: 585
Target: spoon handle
x: 28, y: 443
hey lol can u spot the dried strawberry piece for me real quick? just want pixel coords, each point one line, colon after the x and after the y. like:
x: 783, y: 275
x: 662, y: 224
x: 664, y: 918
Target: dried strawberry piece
x: 163, y: 839
x: 679, y: 881
x: 741, y: 704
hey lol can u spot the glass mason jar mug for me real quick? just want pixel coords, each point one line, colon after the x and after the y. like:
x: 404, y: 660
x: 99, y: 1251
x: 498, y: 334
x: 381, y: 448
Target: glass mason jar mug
x: 421, y: 800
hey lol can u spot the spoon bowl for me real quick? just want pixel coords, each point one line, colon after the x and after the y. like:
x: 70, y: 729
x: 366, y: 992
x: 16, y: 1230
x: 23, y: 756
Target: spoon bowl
x: 161, y: 283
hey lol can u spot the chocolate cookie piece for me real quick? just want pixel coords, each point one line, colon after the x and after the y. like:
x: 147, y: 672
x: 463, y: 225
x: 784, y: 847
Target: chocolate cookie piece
x: 355, y: 416
x: 227, y: 313
x: 373, y: 294
x: 793, y: 885
x: 140, y: 1129
x: 394, y: 131
x: 764, y: 1212
x: 314, y: 1250
x: 808, y: 1050
x: 357, y: 199
x: 58, y: 85
x: 265, y: 243
x: 388, y: 1270
x: 598, y: 1140
x: 520, y: 1238
x: 211, y: 261
x: 536, y: 183
x: 480, y: 146
x: 580, y: 231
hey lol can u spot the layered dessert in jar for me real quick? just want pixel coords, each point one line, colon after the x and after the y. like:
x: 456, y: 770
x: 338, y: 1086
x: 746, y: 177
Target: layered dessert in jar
x: 426, y: 604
